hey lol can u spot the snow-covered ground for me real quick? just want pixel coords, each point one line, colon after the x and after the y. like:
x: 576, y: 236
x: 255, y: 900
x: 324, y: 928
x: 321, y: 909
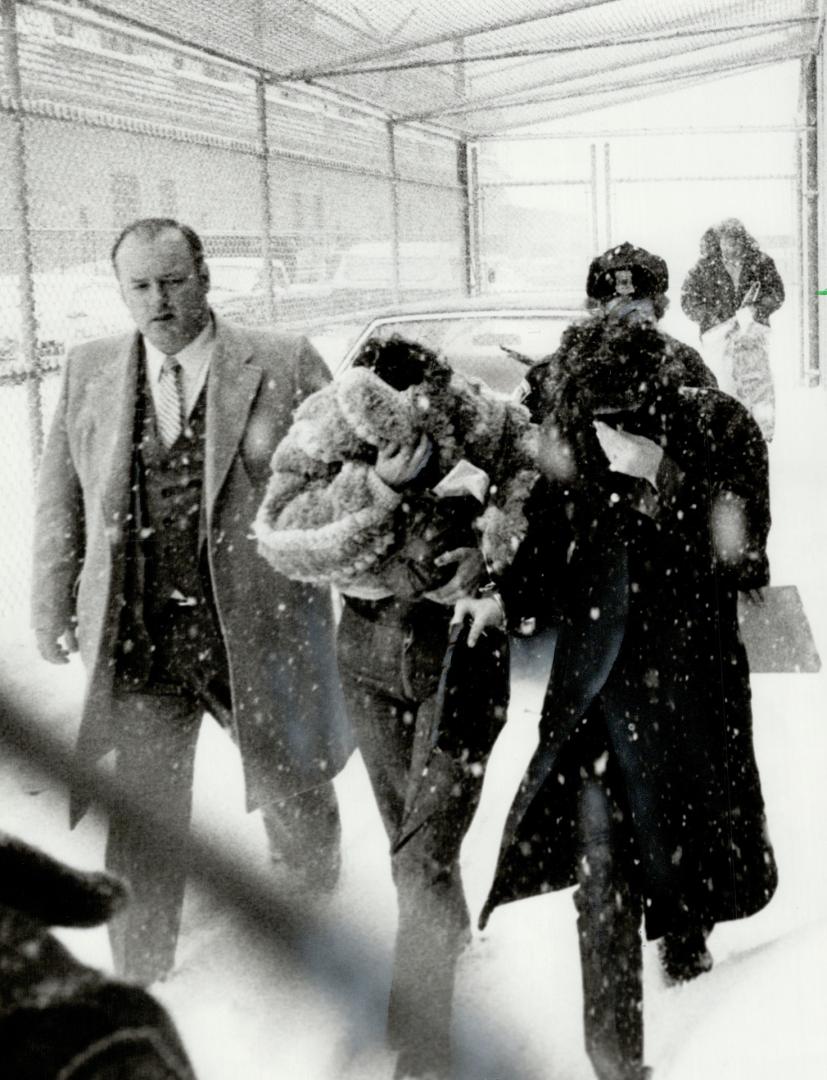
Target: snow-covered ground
x: 244, y: 1012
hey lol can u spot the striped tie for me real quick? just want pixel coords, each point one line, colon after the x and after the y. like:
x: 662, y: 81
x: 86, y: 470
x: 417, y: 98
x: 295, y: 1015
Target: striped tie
x: 170, y: 402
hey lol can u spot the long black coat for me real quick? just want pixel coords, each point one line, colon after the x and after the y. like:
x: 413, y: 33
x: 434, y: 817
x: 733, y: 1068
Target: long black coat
x: 708, y: 295
x: 649, y: 665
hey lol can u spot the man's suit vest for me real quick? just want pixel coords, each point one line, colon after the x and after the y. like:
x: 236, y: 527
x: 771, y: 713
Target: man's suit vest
x: 169, y: 618
x: 171, y: 484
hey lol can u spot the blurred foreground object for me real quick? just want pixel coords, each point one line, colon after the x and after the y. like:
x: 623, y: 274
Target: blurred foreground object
x: 61, y: 1020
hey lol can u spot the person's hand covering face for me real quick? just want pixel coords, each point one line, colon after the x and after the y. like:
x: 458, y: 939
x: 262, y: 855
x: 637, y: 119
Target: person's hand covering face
x: 632, y: 455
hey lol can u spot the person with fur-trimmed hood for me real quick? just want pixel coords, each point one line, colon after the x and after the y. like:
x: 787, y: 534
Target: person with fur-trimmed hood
x: 403, y: 484
x: 59, y: 1019
x: 651, y: 513
x: 730, y: 293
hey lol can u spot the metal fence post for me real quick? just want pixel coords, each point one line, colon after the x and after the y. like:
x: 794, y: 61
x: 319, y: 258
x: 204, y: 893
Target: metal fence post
x: 595, y: 204
x: 467, y: 168
x: 395, y: 249
x: 800, y: 265
x: 811, y: 218
x: 607, y: 180
x: 21, y: 230
x: 266, y: 208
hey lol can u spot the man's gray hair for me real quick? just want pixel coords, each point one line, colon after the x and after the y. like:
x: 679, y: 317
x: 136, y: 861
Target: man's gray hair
x: 149, y: 228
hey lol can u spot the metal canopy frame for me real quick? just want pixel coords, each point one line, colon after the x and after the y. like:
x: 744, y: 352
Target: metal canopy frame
x: 486, y: 69
x: 483, y: 67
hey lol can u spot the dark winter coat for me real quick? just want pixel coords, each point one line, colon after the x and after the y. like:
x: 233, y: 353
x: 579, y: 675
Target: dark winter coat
x: 679, y: 356
x: 60, y: 1020
x: 709, y: 296
x: 649, y: 664
x: 278, y: 634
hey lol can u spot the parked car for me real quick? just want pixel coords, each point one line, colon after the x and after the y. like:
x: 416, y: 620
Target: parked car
x: 70, y: 306
x: 238, y: 290
x: 365, y: 275
x: 493, y: 339
x: 238, y: 287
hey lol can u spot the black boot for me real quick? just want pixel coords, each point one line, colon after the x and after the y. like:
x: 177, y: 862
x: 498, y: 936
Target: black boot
x: 684, y: 955
x: 611, y: 950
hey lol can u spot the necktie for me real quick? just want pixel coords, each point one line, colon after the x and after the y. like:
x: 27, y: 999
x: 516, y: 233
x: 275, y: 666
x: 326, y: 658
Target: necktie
x: 170, y: 401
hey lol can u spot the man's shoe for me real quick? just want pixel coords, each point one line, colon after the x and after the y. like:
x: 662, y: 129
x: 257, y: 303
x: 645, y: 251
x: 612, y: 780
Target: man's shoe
x: 684, y: 956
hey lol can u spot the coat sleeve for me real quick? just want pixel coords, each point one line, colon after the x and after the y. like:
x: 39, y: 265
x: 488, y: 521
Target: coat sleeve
x: 503, y: 524
x: 771, y: 293
x: 693, y: 294
x: 718, y: 480
x: 59, y: 531
x: 531, y: 586
x: 325, y: 517
x: 740, y: 509
x: 696, y: 371
x: 312, y: 373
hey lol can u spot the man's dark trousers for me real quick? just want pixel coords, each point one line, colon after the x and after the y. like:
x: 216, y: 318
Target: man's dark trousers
x: 171, y: 669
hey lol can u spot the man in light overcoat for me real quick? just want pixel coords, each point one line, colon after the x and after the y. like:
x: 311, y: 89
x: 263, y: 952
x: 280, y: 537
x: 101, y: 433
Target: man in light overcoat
x: 156, y: 463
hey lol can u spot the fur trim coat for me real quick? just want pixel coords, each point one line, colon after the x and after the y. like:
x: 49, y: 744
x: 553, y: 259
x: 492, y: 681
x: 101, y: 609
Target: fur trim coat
x: 327, y: 517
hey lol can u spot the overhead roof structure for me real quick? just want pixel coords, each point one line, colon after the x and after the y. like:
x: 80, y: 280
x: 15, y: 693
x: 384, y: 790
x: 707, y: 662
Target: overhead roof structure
x: 483, y: 67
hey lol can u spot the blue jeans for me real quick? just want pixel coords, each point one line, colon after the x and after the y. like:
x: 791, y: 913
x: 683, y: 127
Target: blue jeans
x: 390, y: 660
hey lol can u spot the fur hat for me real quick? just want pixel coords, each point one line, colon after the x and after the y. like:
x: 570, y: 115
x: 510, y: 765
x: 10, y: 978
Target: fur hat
x: 648, y: 274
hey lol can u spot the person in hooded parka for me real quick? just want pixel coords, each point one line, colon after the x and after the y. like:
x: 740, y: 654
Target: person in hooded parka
x: 731, y: 292
x: 650, y: 515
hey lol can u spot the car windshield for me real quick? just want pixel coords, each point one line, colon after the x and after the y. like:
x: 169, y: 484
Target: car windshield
x: 495, y: 348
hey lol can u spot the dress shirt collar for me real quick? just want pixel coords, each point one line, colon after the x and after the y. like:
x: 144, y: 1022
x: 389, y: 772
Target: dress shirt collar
x: 191, y: 358
x: 194, y: 359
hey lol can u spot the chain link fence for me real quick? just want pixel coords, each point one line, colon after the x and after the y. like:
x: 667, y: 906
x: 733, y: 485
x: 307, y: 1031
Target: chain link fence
x: 538, y: 226
x: 309, y: 207
x: 550, y: 203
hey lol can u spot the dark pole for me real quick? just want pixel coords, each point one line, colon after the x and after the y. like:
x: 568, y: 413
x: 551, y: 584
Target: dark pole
x: 266, y: 207
x: 800, y: 265
x: 469, y: 178
x: 607, y: 180
x: 811, y: 316
x: 594, y: 199
x: 21, y: 230
x: 395, y: 249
